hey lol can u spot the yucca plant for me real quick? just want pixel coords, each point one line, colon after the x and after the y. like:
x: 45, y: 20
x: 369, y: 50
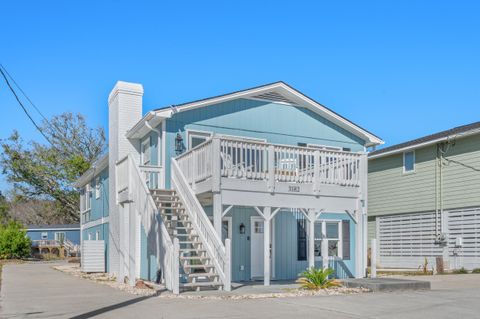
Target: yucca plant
x: 317, y: 278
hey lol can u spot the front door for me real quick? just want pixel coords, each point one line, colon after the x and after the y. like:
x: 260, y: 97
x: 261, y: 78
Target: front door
x: 257, y: 244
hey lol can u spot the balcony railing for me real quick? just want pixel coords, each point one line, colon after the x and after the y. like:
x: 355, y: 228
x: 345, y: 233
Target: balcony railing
x: 250, y: 160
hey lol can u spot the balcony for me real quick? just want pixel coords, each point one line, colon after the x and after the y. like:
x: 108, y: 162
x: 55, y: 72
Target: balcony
x: 234, y: 164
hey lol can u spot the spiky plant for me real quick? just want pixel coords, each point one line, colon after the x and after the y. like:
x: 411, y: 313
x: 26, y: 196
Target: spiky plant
x: 317, y: 278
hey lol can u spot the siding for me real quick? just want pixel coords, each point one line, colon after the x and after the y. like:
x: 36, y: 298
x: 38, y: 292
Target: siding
x: 287, y: 266
x: 99, y: 206
x: 391, y: 192
x: 72, y: 235
x: 103, y: 235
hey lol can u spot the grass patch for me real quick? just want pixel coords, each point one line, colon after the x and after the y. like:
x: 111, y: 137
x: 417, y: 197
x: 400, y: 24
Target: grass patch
x: 460, y: 271
x: 476, y: 271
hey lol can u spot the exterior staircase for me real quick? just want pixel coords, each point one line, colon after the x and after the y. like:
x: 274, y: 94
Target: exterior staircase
x: 196, y: 269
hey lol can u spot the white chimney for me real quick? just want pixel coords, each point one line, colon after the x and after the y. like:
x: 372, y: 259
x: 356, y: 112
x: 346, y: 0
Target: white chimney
x: 124, y: 111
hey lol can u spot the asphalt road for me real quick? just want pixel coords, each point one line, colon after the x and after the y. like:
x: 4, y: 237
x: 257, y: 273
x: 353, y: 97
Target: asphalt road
x: 38, y: 291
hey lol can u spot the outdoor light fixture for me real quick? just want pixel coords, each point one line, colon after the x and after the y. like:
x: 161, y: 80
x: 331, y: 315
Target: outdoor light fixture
x: 242, y: 228
x: 178, y: 144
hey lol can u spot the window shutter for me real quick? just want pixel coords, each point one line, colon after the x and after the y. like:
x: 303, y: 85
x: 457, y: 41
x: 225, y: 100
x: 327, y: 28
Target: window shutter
x: 301, y: 239
x: 346, y: 239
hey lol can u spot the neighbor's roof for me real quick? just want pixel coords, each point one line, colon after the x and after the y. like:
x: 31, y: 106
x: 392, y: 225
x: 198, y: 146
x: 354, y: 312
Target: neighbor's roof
x: 278, y: 92
x: 54, y: 226
x: 450, y: 134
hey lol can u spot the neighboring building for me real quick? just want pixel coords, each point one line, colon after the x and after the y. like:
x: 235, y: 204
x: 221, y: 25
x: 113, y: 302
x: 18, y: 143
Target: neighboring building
x: 54, y: 239
x: 254, y: 184
x: 424, y: 200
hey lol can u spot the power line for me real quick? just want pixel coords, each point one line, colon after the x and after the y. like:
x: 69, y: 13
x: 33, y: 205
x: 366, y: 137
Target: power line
x: 52, y: 126
x: 24, y: 109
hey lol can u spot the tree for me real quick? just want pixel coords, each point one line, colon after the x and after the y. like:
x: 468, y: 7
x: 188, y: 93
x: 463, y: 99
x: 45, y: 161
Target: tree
x: 46, y: 172
x: 4, y: 208
x: 14, y: 242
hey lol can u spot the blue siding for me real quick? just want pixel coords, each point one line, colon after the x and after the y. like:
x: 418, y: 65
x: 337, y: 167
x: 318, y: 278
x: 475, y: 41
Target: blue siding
x: 277, y: 123
x: 287, y: 266
x: 100, y: 205
x: 72, y: 235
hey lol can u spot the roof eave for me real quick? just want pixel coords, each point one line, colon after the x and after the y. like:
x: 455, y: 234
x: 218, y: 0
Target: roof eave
x: 92, y: 172
x: 427, y: 143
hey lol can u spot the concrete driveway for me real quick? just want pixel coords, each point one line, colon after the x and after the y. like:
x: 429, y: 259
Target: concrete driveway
x: 38, y: 291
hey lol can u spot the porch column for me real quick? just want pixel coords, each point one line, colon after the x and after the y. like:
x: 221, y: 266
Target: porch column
x: 324, y: 246
x: 267, y: 212
x: 217, y: 213
x: 311, y: 238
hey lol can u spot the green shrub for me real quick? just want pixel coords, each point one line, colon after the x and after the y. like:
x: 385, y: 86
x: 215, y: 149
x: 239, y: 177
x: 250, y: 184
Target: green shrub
x: 317, y: 278
x: 476, y: 271
x: 14, y: 242
x: 460, y: 271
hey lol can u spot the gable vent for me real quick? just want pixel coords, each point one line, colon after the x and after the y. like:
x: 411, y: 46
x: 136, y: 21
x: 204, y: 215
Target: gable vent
x: 273, y: 96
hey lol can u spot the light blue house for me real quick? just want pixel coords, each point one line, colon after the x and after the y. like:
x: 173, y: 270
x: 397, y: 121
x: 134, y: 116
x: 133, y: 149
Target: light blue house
x: 255, y: 184
x: 59, y: 232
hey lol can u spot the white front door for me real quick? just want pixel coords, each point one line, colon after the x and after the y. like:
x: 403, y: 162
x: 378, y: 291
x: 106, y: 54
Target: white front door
x: 257, y: 244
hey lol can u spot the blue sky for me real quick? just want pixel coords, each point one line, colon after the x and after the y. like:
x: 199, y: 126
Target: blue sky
x: 401, y: 69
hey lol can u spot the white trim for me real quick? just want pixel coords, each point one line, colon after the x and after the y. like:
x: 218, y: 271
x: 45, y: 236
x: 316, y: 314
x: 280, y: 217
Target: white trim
x: 405, y: 172
x: 95, y: 222
x: 420, y: 145
x: 92, y: 172
x: 51, y: 229
x: 325, y: 147
x: 339, y: 238
x: 296, y: 97
x: 97, y: 187
x: 241, y: 138
x: 272, y: 241
x: 164, y: 154
x: 196, y: 133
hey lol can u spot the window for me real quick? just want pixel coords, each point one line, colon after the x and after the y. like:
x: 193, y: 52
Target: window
x: 324, y: 147
x: 97, y: 235
x: 196, y: 138
x: 44, y: 235
x: 146, y: 151
x: 332, y: 236
x: 89, y: 236
x: 97, y: 188
x: 409, y: 162
x: 60, y: 237
x: 301, y: 239
x: 86, y: 203
x: 258, y: 227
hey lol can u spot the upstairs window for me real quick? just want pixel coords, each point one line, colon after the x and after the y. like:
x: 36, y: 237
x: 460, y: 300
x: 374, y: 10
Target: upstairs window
x: 409, y: 162
x: 146, y: 152
x: 196, y: 138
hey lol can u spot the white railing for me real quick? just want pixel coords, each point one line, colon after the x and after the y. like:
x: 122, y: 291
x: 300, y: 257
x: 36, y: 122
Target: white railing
x: 153, y: 176
x: 251, y: 160
x: 219, y: 254
x: 139, y: 195
x: 196, y: 164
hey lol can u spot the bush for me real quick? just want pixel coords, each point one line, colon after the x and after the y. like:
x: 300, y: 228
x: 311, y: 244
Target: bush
x: 460, y: 271
x: 316, y: 279
x: 476, y: 271
x: 14, y: 242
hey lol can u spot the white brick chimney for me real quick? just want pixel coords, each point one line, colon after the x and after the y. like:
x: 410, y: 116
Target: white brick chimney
x: 124, y: 111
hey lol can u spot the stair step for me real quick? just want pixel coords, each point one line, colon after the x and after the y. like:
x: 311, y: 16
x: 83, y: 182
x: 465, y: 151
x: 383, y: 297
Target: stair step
x: 185, y: 235
x: 201, y: 284
x: 197, y: 266
x: 192, y: 250
x: 191, y: 242
x: 183, y: 228
x: 194, y: 258
x: 202, y: 274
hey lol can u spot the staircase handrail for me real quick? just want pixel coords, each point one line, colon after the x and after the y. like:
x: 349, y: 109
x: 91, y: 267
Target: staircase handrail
x: 216, y: 250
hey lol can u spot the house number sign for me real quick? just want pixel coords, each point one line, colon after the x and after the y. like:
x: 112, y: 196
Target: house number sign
x: 294, y: 189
